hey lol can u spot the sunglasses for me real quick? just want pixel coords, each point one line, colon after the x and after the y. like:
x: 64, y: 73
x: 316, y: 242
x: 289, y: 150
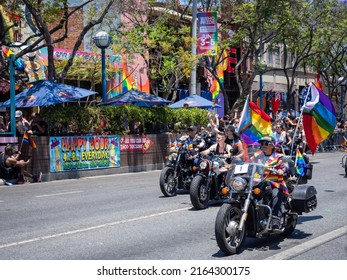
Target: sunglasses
x: 265, y: 144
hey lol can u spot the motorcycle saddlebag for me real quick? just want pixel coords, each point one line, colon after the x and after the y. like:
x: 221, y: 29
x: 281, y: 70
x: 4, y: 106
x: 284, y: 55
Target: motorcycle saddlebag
x: 303, y: 199
x: 308, y: 173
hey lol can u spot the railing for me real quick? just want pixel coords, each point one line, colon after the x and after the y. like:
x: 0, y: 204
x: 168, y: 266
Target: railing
x: 333, y: 143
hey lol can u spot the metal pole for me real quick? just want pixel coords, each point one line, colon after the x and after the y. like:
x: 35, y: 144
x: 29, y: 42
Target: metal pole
x: 261, y: 89
x: 194, y: 37
x: 103, y: 74
x: 343, y: 100
x: 12, y: 96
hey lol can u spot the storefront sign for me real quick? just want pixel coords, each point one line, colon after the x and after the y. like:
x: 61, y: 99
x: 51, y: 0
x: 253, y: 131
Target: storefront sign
x: 135, y: 143
x: 83, y: 152
x: 207, y: 33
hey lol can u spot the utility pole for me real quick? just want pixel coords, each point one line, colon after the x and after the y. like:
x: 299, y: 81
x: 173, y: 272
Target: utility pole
x: 192, y: 90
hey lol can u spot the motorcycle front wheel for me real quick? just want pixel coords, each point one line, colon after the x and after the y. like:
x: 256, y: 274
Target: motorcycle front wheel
x: 167, y: 182
x: 199, y: 193
x: 229, y: 238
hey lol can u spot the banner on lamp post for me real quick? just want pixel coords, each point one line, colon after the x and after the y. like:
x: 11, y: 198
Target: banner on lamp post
x: 207, y: 33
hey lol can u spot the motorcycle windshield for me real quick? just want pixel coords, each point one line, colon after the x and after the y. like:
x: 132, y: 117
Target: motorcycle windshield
x: 248, y: 171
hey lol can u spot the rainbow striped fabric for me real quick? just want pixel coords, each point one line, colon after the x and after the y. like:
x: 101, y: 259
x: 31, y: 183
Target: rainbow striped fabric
x: 128, y: 81
x: 319, y: 118
x: 300, y: 164
x: 28, y: 140
x: 254, y: 123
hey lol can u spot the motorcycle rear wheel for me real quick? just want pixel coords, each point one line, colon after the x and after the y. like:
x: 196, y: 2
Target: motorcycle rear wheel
x: 228, y: 237
x: 290, y: 225
x: 199, y: 195
x: 167, y: 182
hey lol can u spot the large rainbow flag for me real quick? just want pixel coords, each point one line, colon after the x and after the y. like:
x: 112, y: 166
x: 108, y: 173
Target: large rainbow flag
x: 254, y: 123
x: 319, y: 118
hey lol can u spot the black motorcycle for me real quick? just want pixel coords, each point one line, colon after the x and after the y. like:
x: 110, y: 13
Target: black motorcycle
x: 208, y: 184
x: 179, y: 171
x: 246, y: 213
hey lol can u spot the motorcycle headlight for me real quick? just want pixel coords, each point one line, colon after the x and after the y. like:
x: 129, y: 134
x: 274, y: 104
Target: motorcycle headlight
x: 238, y: 184
x: 203, y: 165
x: 173, y: 156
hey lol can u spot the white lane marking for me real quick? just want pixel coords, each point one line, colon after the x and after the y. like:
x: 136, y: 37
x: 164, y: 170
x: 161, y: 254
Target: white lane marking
x: 304, y: 247
x: 57, y: 194
x: 90, y: 228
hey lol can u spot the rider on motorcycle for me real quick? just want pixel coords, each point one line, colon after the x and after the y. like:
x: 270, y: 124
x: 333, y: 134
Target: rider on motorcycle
x: 233, y: 139
x: 273, y: 175
x: 197, y: 143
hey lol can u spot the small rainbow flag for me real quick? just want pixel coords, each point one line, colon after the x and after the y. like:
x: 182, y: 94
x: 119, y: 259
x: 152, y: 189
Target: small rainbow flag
x: 28, y: 140
x: 344, y: 144
x: 300, y: 164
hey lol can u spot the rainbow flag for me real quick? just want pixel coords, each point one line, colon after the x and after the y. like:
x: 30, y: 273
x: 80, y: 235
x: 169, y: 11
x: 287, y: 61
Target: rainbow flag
x: 221, y: 67
x: 344, y: 144
x: 254, y: 123
x: 28, y: 140
x: 300, y: 164
x: 319, y: 118
x: 128, y: 81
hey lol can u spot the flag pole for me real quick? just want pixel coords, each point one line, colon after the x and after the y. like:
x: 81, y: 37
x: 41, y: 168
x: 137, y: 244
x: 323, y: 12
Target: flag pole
x: 300, y: 119
x: 21, y: 144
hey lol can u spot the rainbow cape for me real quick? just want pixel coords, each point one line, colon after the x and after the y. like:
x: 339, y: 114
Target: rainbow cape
x: 319, y: 118
x: 254, y: 123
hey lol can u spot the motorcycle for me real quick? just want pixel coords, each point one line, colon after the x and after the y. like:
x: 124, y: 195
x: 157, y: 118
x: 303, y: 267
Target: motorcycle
x: 246, y: 212
x: 179, y: 171
x: 208, y: 184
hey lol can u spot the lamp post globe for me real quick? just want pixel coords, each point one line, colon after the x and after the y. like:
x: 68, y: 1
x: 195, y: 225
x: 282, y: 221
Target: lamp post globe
x: 102, y: 40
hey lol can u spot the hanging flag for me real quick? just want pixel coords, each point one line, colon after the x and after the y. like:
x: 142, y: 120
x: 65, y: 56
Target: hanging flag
x: 319, y: 118
x: 275, y: 103
x: 128, y: 82
x: 207, y: 25
x: 254, y: 123
x: 28, y: 140
x: 300, y: 164
x: 319, y: 82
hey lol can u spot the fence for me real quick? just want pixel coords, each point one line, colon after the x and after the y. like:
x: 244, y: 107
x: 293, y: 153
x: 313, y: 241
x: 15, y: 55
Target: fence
x: 333, y: 143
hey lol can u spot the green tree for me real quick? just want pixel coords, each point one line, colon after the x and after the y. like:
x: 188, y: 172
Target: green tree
x: 49, y: 17
x: 160, y: 35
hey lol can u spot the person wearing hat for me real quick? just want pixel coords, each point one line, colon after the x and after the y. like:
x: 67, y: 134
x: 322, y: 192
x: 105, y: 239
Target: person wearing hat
x: 13, y: 169
x: 273, y: 175
x: 22, y: 124
x: 194, y: 138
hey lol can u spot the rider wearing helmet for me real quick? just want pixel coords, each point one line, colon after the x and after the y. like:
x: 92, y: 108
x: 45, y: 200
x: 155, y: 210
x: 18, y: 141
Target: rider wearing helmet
x: 273, y: 175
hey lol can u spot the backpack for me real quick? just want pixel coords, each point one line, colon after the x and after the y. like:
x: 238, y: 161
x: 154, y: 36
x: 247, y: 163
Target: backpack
x: 6, y: 173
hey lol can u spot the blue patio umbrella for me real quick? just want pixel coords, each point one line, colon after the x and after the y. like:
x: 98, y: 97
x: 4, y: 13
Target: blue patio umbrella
x: 138, y: 98
x: 46, y: 93
x: 193, y: 101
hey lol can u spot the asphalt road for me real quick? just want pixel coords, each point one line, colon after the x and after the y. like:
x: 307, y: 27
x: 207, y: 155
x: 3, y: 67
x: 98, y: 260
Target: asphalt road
x: 125, y: 217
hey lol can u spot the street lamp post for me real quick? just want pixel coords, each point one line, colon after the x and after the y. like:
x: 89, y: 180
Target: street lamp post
x: 343, y: 88
x: 262, y: 68
x: 102, y: 40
